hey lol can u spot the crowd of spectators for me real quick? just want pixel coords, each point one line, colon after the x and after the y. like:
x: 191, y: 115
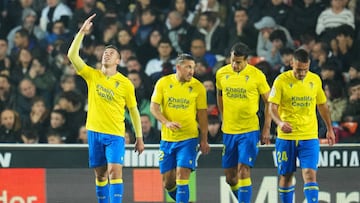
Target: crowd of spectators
x: 43, y: 100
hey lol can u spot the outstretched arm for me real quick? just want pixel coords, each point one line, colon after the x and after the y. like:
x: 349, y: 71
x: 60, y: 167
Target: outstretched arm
x: 73, y: 53
x: 136, y: 121
x: 325, y: 115
x: 203, y: 124
x: 265, y: 134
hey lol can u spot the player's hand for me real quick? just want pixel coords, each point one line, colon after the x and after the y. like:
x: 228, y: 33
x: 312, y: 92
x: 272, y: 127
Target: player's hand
x: 86, y: 27
x: 139, y: 145
x: 173, y: 125
x: 265, y: 137
x: 285, y: 127
x: 330, y: 136
x: 204, y: 147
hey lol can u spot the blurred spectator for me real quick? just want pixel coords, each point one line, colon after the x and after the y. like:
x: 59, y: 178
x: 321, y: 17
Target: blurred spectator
x: 73, y: 103
x: 82, y: 138
x: 54, y: 10
x: 203, y: 71
x: 58, y: 32
x: 354, y: 70
x: 27, y: 92
x: 124, y: 37
x: 347, y: 46
x: 22, y: 40
x: 304, y: 13
x: 5, y: 62
x: 319, y: 55
x: 30, y: 137
x: 278, y: 40
x: 180, y: 32
x: 43, y: 79
x: 155, y: 65
x: 80, y: 14
x: 198, y: 51
x: 126, y: 52
x: 287, y: 55
x: 54, y: 137
x: 336, y: 99
x: 148, y: 22
x: 243, y: 30
x: 182, y: 6
x: 333, y: 17
x: 58, y: 126
x: 109, y: 30
x: 29, y: 19
x: 7, y: 93
x: 151, y: 134
x: 278, y: 10
x: 266, y: 26
x: 133, y: 64
x: 142, y: 94
x: 214, y: 130
x: 10, y: 126
x: 14, y: 12
x: 22, y: 66
x: 330, y: 70
x: 252, y: 9
x: 38, y: 119
x: 351, y: 114
x: 307, y: 41
x: 212, y: 108
x: 213, y: 6
x: 214, y: 34
x: 149, y: 49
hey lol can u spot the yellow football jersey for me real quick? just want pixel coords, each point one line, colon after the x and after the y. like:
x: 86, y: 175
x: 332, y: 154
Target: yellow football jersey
x: 179, y: 102
x: 297, y: 100
x: 107, y: 99
x: 241, y: 93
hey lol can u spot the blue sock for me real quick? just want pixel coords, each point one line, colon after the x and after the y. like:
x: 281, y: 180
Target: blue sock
x: 311, y: 191
x: 172, y: 192
x: 102, y: 191
x: 116, y: 190
x: 182, y: 192
x: 286, y: 194
x: 235, y: 189
x: 245, y: 190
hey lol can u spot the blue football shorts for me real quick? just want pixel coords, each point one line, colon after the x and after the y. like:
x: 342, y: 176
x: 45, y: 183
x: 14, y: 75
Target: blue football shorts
x: 177, y: 154
x: 240, y: 148
x: 105, y: 149
x: 287, y: 152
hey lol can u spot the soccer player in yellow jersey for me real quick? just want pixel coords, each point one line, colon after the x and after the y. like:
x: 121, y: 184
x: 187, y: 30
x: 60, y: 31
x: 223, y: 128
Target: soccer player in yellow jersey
x: 179, y: 103
x: 293, y: 101
x: 239, y: 88
x: 109, y: 92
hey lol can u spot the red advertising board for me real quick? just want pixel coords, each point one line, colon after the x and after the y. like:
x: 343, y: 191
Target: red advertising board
x: 22, y: 185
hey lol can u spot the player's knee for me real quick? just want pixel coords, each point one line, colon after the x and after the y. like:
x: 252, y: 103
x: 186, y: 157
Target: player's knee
x: 169, y: 184
x: 231, y: 180
x: 309, y: 175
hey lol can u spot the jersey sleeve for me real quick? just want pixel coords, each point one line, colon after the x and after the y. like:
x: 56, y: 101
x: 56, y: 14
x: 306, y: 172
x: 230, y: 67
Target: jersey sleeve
x: 130, y: 98
x: 263, y: 86
x: 320, y: 95
x: 201, y: 102
x: 157, y: 95
x: 275, y: 93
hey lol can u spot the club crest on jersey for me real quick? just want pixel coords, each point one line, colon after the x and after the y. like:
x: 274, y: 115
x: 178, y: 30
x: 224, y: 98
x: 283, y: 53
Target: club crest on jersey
x: 227, y: 77
x: 117, y: 83
x: 171, y: 86
x: 190, y: 89
x: 291, y: 85
x: 311, y: 85
x: 247, y: 78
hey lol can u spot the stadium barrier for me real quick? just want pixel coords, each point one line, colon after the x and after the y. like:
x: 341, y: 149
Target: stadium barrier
x: 60, y: 174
